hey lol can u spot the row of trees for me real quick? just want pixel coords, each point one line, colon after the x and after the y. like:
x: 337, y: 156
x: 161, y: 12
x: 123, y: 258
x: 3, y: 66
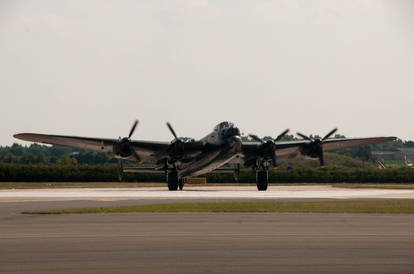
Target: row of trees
x: 42, y: 154
x: 109, y: 172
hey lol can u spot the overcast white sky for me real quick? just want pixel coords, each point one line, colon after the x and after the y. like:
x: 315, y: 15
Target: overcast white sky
x: 90, y: 68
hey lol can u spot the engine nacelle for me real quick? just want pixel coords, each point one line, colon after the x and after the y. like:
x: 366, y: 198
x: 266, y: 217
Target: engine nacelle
x: 313, y: 149
x: 176, y: 150
x: 122, y: 148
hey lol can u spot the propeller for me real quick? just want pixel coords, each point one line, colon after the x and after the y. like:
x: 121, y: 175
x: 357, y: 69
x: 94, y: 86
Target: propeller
x: 134, y: 126
x: 329, y: 134
x: 278, y: 138
x: 176, y: 148
x: 314, y: 147
x: 281, y: 135
x: 172, y: 130
x: 123, y: 147
x: 267, y: 148
x: 256, y: 138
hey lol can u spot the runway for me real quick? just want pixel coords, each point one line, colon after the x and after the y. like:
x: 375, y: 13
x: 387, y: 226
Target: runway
x: 201, y: 242
x: 203, y: 193
x: 207, y: 242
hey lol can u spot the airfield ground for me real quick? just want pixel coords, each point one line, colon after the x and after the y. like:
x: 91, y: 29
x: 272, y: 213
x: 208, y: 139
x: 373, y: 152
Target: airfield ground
x: 188, y: 242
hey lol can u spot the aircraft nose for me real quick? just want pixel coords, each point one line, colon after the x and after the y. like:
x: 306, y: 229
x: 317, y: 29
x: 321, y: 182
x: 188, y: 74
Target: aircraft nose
x: 232, y: 131
x: 236, y: 143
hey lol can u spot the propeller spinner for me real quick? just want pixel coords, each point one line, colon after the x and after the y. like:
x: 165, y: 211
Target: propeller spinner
x: 314, y: 147
x: 123, y: 147
x: 176, y: 149
x: 267, y: 148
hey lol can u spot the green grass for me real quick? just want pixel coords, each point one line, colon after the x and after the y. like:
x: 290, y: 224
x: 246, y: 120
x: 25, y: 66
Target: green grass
x: 41, y: 185
x: 373, y: 206
x: 380, y: 186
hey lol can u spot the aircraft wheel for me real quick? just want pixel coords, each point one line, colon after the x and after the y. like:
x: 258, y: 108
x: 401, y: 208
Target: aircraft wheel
x: 181, y: 183
x: 262, y: 180
x: 173, y: 181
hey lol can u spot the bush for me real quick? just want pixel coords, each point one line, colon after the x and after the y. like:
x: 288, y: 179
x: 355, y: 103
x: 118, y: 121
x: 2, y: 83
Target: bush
x: 70, y: 173
x: 109, y: 173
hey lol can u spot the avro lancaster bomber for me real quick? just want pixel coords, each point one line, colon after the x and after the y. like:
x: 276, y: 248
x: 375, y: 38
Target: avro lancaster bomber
x: 182, y: 158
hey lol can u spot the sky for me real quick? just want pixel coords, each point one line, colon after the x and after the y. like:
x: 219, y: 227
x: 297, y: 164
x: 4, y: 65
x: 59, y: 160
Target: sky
x: 90, y: 68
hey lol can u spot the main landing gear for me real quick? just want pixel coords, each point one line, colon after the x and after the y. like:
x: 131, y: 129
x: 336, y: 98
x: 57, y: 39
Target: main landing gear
x: 262, y: 178
x: 174, y: 182
x: 120, y: 170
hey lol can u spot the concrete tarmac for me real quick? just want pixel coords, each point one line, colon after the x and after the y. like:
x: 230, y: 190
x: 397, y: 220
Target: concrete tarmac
x: 202, y: 193
x: 207, y: 242
x: 199, y: 242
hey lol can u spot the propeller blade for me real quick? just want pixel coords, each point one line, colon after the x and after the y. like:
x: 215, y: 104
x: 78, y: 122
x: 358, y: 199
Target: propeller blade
x: 172, y: 130
x: 133, y: 129
x: 274, y: 164
x: 135, y: 154
x: 303, y: 136
x: 281, y: 135
x: 329, y: 134
x: 254, y: 137
x: 321, y: 159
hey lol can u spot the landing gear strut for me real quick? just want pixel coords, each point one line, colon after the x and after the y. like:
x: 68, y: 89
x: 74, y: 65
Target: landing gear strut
x: 262, y: 178
x: 181, y: 183
x: 120, y: 170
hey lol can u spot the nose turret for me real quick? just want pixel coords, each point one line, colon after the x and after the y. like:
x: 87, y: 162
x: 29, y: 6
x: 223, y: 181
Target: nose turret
x: 231, y: 131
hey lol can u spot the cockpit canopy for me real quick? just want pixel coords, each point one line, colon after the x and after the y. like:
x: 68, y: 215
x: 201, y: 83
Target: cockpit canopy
x: 223, y: 125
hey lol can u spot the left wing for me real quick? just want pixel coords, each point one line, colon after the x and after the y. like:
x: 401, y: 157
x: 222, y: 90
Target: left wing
x: 148, y: 151
x: 95, y: 144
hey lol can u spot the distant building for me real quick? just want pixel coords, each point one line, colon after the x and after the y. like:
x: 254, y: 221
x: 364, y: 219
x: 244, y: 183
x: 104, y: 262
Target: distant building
x: 400, y: 154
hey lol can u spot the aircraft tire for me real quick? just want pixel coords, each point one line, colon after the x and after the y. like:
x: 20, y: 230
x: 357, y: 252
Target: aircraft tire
x: 262, y: 180
x: 173, y: 181
x: 181, y: 183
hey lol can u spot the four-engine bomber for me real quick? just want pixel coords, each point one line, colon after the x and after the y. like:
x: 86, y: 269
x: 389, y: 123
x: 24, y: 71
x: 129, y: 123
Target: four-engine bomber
x: 182, y: 158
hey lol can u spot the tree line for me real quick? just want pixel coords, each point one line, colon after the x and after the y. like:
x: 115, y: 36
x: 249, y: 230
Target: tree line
x: 51, y: 155
x: 56, y: 155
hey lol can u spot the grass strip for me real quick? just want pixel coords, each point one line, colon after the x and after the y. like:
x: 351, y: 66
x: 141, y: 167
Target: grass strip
x: 378, y: 186
x: 44, y: 185
x: 372, y: 206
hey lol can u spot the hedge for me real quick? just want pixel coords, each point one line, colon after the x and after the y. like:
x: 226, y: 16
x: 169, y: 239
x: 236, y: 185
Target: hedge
x: 109, y: 173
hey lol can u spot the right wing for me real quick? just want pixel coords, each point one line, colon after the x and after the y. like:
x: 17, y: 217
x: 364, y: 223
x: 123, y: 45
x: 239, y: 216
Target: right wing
x: 332, y: 144
x: 292, y: 148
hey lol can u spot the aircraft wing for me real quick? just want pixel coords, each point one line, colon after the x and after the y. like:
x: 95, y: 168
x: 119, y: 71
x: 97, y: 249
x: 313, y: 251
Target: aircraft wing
x: 332, y: 144
x: 149, y: 151
x: 95, y: 144
x: 292, y: 148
